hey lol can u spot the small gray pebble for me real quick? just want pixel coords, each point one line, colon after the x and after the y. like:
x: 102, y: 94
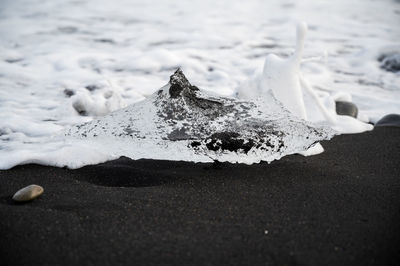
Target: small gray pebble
x: 391, y: 120
x: 28, y: 193
x: 346, y: 108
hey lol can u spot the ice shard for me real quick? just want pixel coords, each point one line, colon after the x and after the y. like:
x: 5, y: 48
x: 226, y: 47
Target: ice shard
x: 182, y: 122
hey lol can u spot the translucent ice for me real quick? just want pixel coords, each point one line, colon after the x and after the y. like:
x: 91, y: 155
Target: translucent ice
x: 181, y: 122
x: 282, y: 77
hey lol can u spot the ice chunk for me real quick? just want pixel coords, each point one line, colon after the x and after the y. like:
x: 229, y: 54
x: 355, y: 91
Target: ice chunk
x: 282, y: 77
x: 181, y: 122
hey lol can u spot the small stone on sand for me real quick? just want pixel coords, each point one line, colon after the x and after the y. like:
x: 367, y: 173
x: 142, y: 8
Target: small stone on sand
x: 28, y: 193
x: 346, y: 108
x: 391, y: 120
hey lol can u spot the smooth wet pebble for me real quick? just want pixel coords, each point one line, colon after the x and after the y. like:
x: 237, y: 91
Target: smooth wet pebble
x: 28, y: 193
x: 346, y: 108
x: 390, y: 62
x: 391, y: 120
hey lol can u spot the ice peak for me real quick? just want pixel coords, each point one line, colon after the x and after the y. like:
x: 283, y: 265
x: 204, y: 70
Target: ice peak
x: 178, y: 83
x: 301, y: 33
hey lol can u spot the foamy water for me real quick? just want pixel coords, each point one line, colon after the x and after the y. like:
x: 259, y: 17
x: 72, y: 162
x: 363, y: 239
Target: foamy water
x: 94, y: 57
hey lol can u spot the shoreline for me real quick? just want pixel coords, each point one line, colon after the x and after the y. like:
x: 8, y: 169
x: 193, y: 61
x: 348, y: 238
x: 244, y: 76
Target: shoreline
x: 339, y: 207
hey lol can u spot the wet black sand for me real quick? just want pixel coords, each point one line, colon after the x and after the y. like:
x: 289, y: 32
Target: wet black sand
x: 341, y: 207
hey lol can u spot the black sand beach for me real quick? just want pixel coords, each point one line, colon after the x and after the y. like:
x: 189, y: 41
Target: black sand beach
x: 339, y: 208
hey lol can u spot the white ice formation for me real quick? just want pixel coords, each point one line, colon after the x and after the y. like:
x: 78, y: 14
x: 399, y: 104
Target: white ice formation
x: 282, y: 77
x: 181, y: 122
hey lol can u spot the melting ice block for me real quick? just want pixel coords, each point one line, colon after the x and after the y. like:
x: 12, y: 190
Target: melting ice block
x: 282, y: 77
x: 181, y: 122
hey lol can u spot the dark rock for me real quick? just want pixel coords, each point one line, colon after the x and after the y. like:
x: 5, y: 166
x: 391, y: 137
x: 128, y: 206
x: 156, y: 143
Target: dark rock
x: 80, y: 108
x: 13, y: 60
x: 346, y: 108
x: 391, y: 120
x: 390, y: 62
x: 105, y: 40
x: 69, y: 92
x: 91, y: 87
